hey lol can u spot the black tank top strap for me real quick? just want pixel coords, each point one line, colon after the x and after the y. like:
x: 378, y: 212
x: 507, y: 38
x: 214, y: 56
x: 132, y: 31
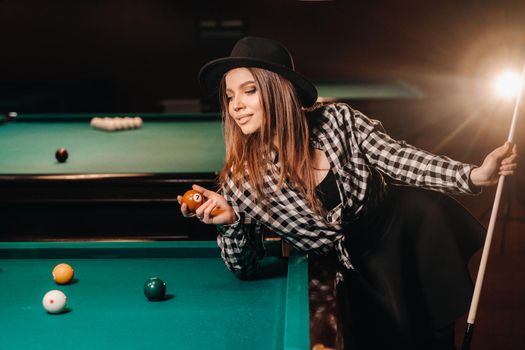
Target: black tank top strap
x: 327, y: 192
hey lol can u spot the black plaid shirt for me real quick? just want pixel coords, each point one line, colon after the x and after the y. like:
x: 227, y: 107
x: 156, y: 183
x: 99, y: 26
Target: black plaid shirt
x: 359, y: 151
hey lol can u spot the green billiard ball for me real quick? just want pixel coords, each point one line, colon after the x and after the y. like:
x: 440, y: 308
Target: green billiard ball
x: 155, y: 289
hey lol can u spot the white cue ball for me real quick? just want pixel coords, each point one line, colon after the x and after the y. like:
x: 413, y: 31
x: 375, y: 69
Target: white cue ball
x: 54, y: 301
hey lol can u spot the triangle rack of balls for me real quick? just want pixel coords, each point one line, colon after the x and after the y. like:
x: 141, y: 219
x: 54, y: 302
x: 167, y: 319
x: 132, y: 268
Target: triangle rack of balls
x: 116, y: 123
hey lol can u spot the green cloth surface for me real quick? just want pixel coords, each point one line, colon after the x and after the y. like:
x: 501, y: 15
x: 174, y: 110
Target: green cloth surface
x: 161, y: 145
x: 207, y: 306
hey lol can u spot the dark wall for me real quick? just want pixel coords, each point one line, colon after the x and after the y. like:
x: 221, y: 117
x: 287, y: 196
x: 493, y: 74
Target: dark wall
x: 136, y: 53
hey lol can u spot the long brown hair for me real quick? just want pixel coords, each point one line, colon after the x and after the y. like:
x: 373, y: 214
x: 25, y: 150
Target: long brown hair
x: 248, y: 156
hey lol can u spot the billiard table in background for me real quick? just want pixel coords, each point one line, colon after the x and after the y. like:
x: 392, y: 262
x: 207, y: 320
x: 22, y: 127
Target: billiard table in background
x: 113, y: 183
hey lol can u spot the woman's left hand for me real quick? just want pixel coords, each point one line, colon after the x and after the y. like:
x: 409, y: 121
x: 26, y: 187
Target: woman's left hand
x: 501, y: 161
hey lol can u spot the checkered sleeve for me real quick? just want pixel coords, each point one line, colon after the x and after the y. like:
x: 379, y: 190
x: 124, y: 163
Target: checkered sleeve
x: 406, y: 163
x: 241, y: 245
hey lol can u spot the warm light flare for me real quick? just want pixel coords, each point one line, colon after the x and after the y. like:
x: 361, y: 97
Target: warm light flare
x: 508, y: 84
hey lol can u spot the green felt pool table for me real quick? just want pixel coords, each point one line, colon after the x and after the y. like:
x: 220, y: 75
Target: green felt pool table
x: 206, y: 307
x: 126, y: 180
x: 165, y: 144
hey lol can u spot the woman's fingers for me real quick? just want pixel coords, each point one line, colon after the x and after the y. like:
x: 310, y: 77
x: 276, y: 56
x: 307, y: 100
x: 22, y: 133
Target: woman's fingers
x: 185, y: 211
x: 207, y: 211
x: 205, y: 192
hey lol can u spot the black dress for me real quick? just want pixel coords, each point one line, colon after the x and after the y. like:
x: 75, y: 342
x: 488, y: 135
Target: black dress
x: 411, y: 255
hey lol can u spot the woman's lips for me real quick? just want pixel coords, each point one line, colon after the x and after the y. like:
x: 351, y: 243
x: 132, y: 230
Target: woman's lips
x: 244, y: 120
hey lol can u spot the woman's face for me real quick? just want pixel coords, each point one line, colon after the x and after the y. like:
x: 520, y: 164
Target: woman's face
x: 244, y: 103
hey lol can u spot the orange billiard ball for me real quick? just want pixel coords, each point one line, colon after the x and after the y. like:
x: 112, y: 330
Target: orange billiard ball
x: 193, y: 199
x: 63, y: 273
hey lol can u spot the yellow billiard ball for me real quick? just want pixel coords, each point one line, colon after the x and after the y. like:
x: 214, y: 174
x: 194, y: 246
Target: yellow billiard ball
x: 63, y: 273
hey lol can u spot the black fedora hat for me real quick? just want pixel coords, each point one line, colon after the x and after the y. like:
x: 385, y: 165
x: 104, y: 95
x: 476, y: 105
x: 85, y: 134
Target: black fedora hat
x: 260, y: 53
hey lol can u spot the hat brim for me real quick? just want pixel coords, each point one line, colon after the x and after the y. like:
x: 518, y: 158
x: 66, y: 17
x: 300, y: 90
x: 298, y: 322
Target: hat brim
x: 211, y: 74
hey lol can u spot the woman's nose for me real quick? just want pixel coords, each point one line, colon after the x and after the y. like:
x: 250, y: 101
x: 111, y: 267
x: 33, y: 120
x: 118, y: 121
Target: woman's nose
x: 237, y: 103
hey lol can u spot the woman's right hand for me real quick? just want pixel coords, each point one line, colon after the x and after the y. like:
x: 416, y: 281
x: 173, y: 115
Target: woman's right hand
x: 224, y: 213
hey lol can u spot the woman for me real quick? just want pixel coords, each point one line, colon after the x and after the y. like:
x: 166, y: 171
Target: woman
x: 316, y: 178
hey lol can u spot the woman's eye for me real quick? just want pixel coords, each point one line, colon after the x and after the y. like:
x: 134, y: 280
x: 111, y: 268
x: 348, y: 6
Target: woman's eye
x: 229, y: 98
x: 250, y: 91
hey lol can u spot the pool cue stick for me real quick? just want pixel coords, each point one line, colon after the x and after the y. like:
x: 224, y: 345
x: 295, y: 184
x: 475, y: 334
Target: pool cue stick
x: 469, y: 331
